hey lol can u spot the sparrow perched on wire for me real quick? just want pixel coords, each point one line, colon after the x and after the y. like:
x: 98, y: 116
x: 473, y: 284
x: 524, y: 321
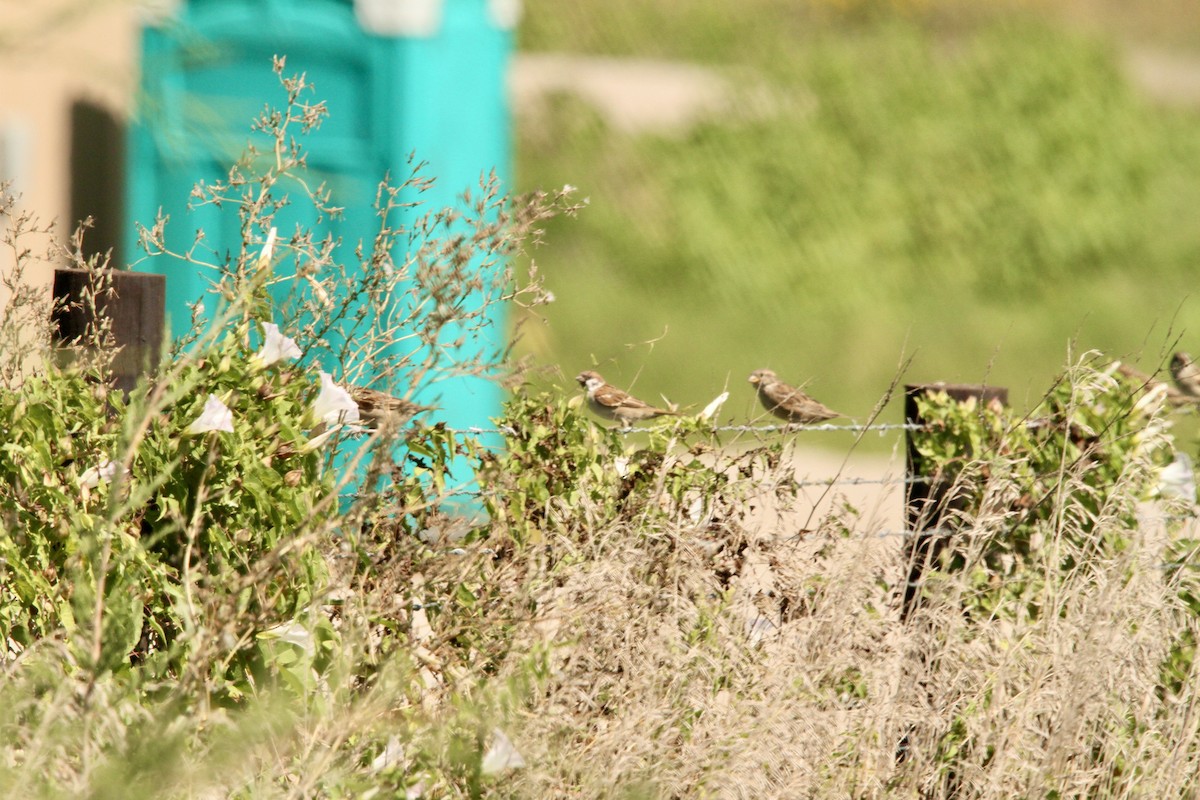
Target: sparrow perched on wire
x: 379, y: 410
x: 1186, y: 374
x: 787, y: 402
x: 611, y: 403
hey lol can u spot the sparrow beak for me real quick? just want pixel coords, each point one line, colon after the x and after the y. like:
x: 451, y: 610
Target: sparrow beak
x: 753, y: 379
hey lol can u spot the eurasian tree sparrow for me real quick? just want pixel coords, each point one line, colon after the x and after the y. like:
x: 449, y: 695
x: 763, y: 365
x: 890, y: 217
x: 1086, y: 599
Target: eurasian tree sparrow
x: 1186, y: 374
x: 611, y: 403
x: 787, y: 402
x: 379, y: 410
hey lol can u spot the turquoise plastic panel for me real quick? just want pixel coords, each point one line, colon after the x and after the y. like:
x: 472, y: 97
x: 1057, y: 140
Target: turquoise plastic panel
x: 207, y: 73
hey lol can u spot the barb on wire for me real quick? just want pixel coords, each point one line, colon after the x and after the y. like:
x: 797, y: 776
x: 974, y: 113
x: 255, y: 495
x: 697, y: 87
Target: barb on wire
x: 506, y: 430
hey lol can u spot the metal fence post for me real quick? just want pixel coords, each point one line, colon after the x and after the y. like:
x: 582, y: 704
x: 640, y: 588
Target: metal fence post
x: 928, y: 500
x: 134, y: 304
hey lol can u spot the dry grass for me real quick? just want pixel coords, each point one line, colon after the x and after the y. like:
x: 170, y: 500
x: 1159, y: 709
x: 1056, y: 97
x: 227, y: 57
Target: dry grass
x: 752, y: 663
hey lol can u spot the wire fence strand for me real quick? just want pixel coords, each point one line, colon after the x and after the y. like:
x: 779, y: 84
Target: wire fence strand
x: 508, y: 430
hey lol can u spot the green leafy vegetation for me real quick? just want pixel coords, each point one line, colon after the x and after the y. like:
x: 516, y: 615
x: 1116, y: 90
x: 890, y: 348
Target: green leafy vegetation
x: 1092, y: 444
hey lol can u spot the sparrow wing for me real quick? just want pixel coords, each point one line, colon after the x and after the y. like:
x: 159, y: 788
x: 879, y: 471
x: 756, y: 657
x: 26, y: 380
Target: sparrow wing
x: 796, y: 403
x: 614, y: 398
x: 376, y: 403
x: 783, y: 395
x: 819, y: 409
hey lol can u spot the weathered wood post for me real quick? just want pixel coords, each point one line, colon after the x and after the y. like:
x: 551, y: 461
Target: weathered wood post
x: 134, y: 302
x: 928, y: 497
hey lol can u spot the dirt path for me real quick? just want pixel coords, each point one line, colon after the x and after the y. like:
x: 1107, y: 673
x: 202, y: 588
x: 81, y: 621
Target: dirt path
x: 1169, y: 78
x: 870, y: 483
x: 634, y: 95
x: 647, y: 96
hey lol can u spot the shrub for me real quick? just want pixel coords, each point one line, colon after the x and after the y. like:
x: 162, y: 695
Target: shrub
x: 1093, y: 446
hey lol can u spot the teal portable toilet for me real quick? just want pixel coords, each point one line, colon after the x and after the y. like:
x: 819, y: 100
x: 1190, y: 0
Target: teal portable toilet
x: 400, y: 77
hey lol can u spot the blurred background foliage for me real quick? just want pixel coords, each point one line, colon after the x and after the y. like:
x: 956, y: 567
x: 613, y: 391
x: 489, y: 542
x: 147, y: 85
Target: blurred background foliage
x: 979, y: 185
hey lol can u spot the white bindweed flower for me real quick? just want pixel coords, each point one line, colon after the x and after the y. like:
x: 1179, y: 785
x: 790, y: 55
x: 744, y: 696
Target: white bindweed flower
x: 264, y: 258
x: 276, y: 346
x: 334, y: 404
x: 621, y: 465
x: 1178, y: 479
x: 216, y: 416
x: 392, y: 755
x: 501, y: 756
x: 94, y: 476
x: 292, y: 632
x: 318, y: 441
x: 712, y: 408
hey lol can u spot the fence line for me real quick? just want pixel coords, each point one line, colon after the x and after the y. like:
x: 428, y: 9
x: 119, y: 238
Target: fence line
x: 946, y: 533
x: 508, y: 430
x: 878, y: 427
x: 926, y: 535
x: 865, y: 481
x: 802, y: 483
x: 822, y: 482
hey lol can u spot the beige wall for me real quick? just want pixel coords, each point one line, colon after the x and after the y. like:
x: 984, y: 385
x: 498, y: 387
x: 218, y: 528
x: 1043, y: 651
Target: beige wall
x: 52, y: 53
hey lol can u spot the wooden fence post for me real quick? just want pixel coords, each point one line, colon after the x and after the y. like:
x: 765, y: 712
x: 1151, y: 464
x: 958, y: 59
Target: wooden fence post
x: 928, y: 501
x: 135, y: 305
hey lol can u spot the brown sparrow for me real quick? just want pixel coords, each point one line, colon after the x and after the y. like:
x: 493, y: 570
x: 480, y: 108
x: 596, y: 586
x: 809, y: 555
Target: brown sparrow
x: 379, y: 410
x: 1176, y: 396
x: 1186, y: 374
x: 787, y: 402
x: 611, y: 403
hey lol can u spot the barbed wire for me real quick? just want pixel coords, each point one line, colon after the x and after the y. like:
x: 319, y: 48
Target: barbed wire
x: 947, y: 533
x: 865, y: 481
x: 882, y: 427
x: 508, y: 430
x: 806, y: 483
x: 825, y: 427
x: 912, y: 480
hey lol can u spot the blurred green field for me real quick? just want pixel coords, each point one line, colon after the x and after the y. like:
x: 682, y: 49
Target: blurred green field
x: 981, y: 191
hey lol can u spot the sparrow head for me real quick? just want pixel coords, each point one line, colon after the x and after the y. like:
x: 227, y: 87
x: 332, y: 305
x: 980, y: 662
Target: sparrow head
x: 589, y: 379
x: 1179, y: 362
x: 761, y: 376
